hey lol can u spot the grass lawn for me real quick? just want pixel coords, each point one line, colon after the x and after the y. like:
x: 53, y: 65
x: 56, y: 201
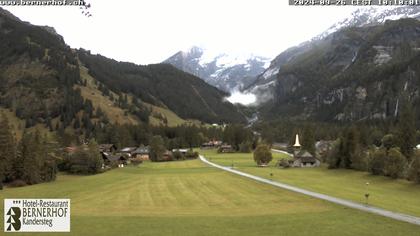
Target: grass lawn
x: 396, y: 195
x: 190, y: 198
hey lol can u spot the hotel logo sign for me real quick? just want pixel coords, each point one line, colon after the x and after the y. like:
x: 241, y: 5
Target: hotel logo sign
x: 36, y: 215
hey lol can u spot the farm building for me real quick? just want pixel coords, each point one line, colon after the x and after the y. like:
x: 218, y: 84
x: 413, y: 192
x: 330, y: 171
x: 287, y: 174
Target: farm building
x: 225, y: 148
x: 182, y: 151
x: 129, y: 151
x: 119, y: 160
x: 107, y: 148
x: 142, y: 153
x: 211, y: 144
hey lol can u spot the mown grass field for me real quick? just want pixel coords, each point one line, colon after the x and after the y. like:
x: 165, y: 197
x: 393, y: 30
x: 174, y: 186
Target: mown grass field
x: 189, y: 198
x: 396, y: 195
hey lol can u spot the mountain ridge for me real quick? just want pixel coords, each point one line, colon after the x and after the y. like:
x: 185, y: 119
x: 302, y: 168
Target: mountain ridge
x: 225, y: 71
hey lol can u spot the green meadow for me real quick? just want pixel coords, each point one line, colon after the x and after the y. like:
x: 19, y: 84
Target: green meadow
x: 395, y: 195
x: 190, y: 198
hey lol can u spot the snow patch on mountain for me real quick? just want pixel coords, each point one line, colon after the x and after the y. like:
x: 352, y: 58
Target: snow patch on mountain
x: 227, y: 71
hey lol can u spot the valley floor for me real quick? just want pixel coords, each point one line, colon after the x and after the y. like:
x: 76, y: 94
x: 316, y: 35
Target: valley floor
x: 190, y: 198
x: 390, y: 194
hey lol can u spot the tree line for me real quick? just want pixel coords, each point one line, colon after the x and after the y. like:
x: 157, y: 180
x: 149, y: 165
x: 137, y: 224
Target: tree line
x: 395, y: 155
x: 29, y: 161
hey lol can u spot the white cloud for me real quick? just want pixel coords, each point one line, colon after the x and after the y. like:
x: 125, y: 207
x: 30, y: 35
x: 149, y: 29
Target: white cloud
x: 149, y: 31
x: 242, y: 98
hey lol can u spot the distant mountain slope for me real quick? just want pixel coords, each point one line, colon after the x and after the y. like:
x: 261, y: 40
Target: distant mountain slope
x: 353, y: 74
x: 365, y: 17
x: 226, y: 72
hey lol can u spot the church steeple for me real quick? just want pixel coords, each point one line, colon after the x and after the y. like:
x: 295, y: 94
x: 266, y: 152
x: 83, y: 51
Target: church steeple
x: 297, y: 144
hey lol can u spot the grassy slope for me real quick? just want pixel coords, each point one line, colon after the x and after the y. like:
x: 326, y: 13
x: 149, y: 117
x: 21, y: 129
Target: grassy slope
x: 396, y: 195
x: 189, y: 198
x: 18, y: 125
x: 116, y: 114
x: 91, y: 92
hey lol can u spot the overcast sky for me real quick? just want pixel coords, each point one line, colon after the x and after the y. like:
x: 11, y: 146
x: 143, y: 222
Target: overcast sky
x: 149, y: 31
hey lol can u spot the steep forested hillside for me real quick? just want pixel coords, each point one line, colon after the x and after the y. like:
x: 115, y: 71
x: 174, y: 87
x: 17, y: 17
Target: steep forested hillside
x: 163, y: 85
x: 44, y: 81
x: 353, y: 74
x: 37, y: 73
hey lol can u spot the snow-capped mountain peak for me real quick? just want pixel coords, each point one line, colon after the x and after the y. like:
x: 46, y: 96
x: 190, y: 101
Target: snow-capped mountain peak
x: 227, y: 71
x: 372, y: 16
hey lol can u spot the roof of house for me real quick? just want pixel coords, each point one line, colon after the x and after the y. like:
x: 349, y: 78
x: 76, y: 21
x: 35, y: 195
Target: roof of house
x: 305, y: 156
x: 180, y: 150
x: 128, y: 149
x: 142, y: 150
x: 106, y: 146
x: 117, y: 157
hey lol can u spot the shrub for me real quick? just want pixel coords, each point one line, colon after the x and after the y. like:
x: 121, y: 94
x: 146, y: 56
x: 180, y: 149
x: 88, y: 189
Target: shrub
x: 191, y: 155
x: 245, y: 147
x: 395, y: 163
x: 332, y: 156
x: 17, y: 183
x: 377, y: 162
x: 414, y: 172
x: 388, y: 141
x: 262, y: 155
x: 360, y: 161
x: 178, y: 155
x: 284, y: 162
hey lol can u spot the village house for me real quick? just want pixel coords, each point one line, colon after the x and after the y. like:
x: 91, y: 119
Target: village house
x: 225, y: 148
x: 110, y: 160
x: 141, y: 153
x: 182, y: 151
x: 211, y: 144
x: 129, y: 151
x: 110, y: 148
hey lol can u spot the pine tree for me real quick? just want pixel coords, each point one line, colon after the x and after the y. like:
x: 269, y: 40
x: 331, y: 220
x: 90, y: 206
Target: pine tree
x: 7, y: 150
x: 406, y: 130
x: 31, y: 157
x: 352, y: 149
x: 157, y: 148
x: 49, y: 166
x: 308, y: 139
x: 95, y: 159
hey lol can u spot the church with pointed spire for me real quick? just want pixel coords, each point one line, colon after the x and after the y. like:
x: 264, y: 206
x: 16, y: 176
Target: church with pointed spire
x: 301, y: 157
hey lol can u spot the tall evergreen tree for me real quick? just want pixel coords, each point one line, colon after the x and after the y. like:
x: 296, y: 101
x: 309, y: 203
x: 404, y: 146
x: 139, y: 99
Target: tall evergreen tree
x: 351, y: 146
x: 406, y: 130
x: 157, y: 148
x: 7, y: 149
x: 31, y: 155
x: 308, y: 139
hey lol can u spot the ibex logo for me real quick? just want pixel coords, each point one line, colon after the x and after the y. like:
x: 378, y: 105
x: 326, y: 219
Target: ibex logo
x: 13, y: 222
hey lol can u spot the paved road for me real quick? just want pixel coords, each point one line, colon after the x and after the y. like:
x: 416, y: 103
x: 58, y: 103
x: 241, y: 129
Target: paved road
x: 362, y: 207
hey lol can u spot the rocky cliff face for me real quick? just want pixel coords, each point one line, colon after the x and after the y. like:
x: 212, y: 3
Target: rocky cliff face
x: 264, y: 85
x: 353, y: 74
